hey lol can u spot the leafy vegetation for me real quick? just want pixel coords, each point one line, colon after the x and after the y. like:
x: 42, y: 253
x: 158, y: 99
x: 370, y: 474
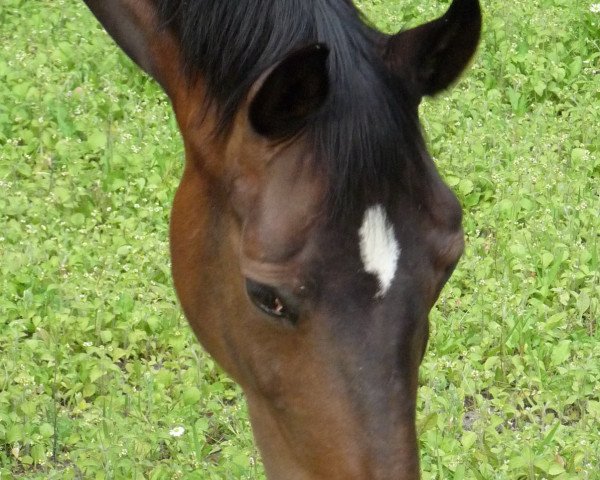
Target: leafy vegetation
x: 100, y: 376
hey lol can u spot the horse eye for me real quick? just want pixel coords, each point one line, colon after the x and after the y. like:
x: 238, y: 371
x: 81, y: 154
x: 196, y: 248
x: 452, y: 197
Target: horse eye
x: 270, y: 301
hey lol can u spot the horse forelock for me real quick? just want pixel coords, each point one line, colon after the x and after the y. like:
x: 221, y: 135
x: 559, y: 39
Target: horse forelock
x: 365, y: 133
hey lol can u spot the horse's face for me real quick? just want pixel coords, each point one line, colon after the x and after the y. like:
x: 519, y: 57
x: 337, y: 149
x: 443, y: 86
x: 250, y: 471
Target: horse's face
x: 321, y: 319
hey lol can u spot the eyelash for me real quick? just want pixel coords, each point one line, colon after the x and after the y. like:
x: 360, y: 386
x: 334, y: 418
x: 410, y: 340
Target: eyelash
x: 268, y: 300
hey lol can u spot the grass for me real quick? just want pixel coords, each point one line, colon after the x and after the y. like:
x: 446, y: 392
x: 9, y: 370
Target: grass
x: 98, y: 369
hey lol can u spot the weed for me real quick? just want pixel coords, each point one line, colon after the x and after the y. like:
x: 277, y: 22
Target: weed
x: 100, y: 376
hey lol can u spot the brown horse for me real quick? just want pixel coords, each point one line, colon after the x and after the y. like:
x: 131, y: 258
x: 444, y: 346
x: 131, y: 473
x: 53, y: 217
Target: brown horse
x: 311, y: 233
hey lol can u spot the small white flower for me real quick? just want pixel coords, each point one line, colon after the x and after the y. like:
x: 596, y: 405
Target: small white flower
x: 595, y: 8
x: 177, y: 431
x: 87, y: 344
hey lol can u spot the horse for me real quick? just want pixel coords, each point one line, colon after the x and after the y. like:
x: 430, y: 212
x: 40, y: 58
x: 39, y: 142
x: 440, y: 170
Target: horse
x: 311, y: 233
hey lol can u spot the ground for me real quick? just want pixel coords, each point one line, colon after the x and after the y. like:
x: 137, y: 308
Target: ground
x: 100, y: 376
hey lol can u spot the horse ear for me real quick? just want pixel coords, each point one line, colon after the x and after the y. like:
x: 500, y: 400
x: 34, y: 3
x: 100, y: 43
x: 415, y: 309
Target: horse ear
x: 432, y: 56
x: 290, y: 92
x: 134, y: 25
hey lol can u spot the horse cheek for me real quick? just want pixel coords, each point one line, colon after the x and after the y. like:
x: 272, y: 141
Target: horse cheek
x: 193, y: 264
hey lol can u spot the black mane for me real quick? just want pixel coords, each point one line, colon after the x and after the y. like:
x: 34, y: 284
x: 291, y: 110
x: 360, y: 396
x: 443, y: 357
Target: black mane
x: 365, y: 133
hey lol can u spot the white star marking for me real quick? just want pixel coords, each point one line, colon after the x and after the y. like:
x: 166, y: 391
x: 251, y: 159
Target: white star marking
x: 379, y: 248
